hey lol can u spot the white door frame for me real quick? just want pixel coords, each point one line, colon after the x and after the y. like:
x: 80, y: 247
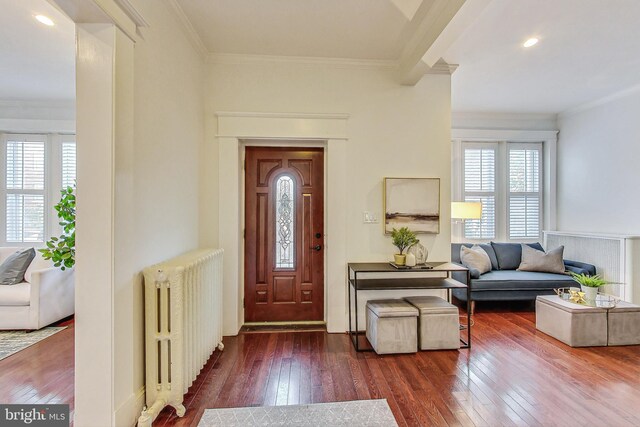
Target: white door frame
x: 235, y: 130
x: 105, y: 36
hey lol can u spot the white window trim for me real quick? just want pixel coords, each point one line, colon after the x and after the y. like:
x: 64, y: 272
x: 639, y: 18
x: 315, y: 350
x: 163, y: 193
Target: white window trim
x: 549, y: 141
x: 52, y: 184
x: 521, y: 146
x: 498, y: 186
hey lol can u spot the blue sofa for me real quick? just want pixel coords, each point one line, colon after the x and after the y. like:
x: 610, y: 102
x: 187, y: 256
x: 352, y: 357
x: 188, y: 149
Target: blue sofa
x: 504, y: 282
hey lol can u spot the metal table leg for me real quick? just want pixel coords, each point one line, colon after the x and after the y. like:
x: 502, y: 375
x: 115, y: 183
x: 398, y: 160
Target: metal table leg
x: 355, y: 300
x: 469, y: 308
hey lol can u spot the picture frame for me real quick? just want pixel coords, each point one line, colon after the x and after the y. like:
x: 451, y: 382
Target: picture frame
x: 412, y: 203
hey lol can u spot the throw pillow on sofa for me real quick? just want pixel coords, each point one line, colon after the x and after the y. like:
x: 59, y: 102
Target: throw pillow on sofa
x: 475, y: 258
x: 13, y: 268
x: 541, y: 261
x: 509, y: 255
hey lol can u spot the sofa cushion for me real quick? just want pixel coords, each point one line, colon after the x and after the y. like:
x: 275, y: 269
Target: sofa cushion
x: 15, y: 295
x: 475, y: 258
x: 535, y: 260
x: 38, y: 263
x: 7, y: 251
x: 509, y: 254
x: 455, y: 253
x: 13, y: 268
x: 513, y: 279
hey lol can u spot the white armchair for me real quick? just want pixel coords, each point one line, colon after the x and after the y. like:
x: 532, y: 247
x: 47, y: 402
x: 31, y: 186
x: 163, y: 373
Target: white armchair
x: 45, y: 296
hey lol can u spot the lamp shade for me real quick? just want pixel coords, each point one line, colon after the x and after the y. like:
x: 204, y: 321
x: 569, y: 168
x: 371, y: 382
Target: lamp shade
x: 466, y: 210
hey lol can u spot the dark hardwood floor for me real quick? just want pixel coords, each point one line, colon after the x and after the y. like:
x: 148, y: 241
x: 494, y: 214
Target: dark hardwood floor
x: 42, y: 373
x: 513, y: 375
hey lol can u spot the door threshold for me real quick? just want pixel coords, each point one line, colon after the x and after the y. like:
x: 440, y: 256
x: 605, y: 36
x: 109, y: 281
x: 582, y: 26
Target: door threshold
x: 299, y: 326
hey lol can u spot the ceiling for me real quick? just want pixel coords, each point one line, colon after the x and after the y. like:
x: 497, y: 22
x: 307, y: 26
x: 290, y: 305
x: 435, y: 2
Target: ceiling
x: 588, y: 49
x: 355, y: 29
x: 37, y: 62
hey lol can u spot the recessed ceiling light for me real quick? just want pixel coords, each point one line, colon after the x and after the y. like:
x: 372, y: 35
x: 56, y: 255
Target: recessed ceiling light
x: 532, y: 41
x: 45, y: 20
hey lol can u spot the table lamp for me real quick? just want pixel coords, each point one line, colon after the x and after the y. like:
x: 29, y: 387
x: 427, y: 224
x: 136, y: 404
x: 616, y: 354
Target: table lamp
x: 466, y: 210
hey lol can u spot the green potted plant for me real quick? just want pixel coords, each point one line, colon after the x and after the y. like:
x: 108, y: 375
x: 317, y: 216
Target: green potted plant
x: 62, y: 250
x: 402, y: 239
x: 589, y: 284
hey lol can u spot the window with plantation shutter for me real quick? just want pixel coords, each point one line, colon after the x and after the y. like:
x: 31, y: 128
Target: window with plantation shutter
x: 68, y: 164
x: 524, y: 198
x: 508, y: 178
x: 479, y: 185
x: 25, y: 189
x: 36, y: 168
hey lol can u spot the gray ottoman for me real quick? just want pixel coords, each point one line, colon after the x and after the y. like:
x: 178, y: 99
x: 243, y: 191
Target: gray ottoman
x: 392, y: 326
x: 624, y: 324
x: 439, y: 327
x: 573, y: 324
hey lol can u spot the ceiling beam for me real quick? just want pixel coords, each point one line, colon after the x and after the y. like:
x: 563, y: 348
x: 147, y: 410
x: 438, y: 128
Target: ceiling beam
x: 434, y: 27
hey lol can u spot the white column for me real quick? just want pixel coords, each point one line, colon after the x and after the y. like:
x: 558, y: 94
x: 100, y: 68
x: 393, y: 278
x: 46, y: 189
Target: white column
x: 128, y: 296
x: 104, y: 73
x: 230, y: 232
x: 95, y: 215
x: 336, y: 245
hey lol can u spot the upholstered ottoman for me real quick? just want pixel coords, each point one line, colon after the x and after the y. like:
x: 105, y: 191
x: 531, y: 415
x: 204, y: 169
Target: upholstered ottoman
x: 392, y: 326
x: 573, y: 324
x: 438, y: 326
x: 624, y: 324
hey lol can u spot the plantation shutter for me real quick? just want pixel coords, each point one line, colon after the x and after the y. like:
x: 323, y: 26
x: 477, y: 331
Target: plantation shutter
x: 68, y: 164
x: 25, y: 190
x: 525, y: 191
x: 479, y: 185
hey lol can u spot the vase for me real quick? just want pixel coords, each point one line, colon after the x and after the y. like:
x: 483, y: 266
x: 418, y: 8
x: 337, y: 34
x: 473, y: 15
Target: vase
x: 420, y: 252
x: 399, y: 259
x: 589, y: 293
x: 410, y: 261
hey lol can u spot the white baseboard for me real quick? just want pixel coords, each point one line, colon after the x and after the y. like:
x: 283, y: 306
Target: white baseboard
x: 127, y: 414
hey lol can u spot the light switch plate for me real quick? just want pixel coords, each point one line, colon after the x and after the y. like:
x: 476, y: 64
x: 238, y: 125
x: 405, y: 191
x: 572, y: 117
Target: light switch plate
x: 369, y: 218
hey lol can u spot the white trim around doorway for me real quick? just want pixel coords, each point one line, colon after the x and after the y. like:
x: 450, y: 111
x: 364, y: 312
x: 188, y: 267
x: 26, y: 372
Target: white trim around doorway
x: 235, y: 132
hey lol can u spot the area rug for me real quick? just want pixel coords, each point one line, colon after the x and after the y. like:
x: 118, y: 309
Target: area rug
x: 12, y: 342
x: 358, y: 413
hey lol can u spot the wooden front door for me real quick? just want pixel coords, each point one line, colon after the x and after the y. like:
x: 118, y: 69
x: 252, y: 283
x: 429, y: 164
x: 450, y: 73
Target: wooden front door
x: 284, y: 234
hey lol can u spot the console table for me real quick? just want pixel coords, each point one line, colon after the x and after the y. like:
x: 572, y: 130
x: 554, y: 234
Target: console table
x: 404, y: 279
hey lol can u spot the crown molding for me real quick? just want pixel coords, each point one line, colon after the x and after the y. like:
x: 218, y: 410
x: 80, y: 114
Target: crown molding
x: 601, y: 101
x: 188, y: 28
x: 233, y: 58
x: 442, y: 67
x: 132, y: 13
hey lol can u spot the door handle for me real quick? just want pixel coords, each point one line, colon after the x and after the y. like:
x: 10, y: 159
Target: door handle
x: 317, y: 248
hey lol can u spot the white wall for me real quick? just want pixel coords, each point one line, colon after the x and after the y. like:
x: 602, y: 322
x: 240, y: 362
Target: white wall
x: 393, y: 130
x: 55, y: 119
x: 157, y: 184
x: 45, y: 116
x: 598, y: 174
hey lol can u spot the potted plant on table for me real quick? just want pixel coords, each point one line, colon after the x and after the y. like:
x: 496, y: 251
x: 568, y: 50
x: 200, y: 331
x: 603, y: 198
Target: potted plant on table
x: 589, y: 284
x: 402, y: 239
